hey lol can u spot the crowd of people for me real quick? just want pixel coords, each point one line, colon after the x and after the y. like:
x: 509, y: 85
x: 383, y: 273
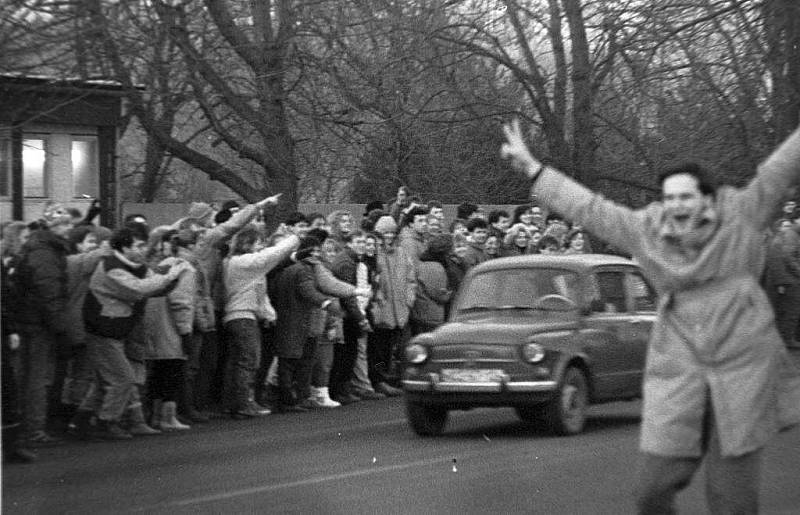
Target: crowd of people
x: 144, y: 330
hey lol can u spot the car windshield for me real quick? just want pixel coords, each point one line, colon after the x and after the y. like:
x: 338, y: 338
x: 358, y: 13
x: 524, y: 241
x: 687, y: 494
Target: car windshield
x: 516, y: 289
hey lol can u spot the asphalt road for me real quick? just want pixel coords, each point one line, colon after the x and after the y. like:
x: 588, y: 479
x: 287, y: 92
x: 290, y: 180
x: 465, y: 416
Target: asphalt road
x: 364, y: 459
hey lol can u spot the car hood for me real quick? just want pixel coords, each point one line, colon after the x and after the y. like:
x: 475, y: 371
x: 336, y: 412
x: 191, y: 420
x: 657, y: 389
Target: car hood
x: 499, y: 329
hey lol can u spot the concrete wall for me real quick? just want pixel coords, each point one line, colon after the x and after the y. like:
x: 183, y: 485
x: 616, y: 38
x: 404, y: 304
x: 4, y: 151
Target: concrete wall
x: 165, y: 214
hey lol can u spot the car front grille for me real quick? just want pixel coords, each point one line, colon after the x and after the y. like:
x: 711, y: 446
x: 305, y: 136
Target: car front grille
x: 474, y: 353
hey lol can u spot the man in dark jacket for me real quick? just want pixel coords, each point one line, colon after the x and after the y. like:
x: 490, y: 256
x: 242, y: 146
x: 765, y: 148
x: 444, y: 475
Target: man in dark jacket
x: 42, y: 315
x: 296, y: 301
x: 345, y: 267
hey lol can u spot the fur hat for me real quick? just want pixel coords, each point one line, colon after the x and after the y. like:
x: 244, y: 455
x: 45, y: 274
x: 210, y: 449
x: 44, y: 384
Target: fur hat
x: 385, y: 224
x: 56, y: 214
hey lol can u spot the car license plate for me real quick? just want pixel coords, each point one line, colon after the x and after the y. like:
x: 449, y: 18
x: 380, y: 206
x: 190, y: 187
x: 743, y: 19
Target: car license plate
x: 467, y: 375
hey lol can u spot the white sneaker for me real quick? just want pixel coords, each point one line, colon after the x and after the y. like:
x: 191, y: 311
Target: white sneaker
x: 321, y: 399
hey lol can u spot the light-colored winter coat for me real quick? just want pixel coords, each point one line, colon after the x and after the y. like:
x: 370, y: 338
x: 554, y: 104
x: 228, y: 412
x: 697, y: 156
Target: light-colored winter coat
x: 715, y: 337
x: 397, y: 288
x: 169, y: 316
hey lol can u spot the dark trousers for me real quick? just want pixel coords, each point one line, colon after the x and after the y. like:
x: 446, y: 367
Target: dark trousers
x: 323, y: 361
x: 38, y: 364
x: 344, y: 358
x: 244, y: 350
x: 381, y: 347
x: 10, y: 396
x: 166, y: 379
x: 267, y: 355
x: 218, y: 376
x: 294, y: 374
x: 732, y: 483
x: 204, y: 381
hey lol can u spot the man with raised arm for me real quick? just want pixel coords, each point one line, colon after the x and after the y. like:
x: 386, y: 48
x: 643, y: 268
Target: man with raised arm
x: 711, y: 386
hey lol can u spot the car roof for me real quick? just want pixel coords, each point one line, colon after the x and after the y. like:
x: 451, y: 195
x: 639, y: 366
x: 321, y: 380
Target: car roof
x: 576, y: 262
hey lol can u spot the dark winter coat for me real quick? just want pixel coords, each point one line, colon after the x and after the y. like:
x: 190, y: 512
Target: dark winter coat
x: 297, y: 302
x: 41, y: 284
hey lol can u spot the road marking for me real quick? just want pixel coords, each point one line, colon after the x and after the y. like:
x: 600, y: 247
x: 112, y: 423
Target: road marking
x: 303, y: 482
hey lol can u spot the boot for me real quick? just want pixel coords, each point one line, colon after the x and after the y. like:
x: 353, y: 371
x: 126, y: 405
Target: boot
x: 110, y: 430
x: 155, y: 418
x: 321, y: 399
x: 138, y: 427
x: 169, y: 422
x: 189, y: 412
x: 80, y: 426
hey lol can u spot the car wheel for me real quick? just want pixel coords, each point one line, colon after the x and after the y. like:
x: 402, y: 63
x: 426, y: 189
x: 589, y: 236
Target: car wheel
x: 566, y: 413
x: 426, y: 420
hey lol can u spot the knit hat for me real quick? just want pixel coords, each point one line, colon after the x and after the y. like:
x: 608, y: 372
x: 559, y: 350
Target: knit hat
x: 200, y: 210
x: 56, y: 214
x: 307, y: 246
x: 385, y: 224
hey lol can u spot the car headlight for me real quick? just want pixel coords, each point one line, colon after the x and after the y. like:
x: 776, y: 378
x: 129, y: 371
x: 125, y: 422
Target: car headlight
x: 532, y: 352
x: 416, y: 353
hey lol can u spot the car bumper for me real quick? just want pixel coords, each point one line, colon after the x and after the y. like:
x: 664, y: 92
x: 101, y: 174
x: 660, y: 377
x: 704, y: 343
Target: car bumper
x: 470, y: 395
x: 483, y: 387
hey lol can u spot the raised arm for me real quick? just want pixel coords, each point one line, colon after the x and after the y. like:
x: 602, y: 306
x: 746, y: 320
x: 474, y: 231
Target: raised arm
x: 774, y: 179
x: 226, y: 230
x: 616, y: 224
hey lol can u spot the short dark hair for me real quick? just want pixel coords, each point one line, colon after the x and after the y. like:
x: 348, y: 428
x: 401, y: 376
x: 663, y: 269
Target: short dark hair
x: 435, y: 203
x: 295, y: 218
x: 705, y: 183
x: 320, y: 234
x: 519, y: 211
x: 77, y: 234
x: 122, y: 238
x: 496, y: 214
x: 476, y: 223
x: 465, y: 210
x: 553, y: 217
x: 347, y: 238
x: 408, y: 218
x: 548, y: 240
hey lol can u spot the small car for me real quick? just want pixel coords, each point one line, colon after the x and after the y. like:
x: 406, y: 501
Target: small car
x: 545, y: 334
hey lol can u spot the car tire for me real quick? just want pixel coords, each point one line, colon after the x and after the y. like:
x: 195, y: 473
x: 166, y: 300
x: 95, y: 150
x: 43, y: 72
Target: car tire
x: 566, y: 413
x: 426, y: 420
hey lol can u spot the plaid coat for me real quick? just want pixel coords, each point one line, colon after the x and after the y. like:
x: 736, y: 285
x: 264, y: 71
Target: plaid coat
x: 714, y: 342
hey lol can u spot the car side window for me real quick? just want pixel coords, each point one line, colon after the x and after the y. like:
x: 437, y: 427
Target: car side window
x: 644, y: 299
x: 609, y: 293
